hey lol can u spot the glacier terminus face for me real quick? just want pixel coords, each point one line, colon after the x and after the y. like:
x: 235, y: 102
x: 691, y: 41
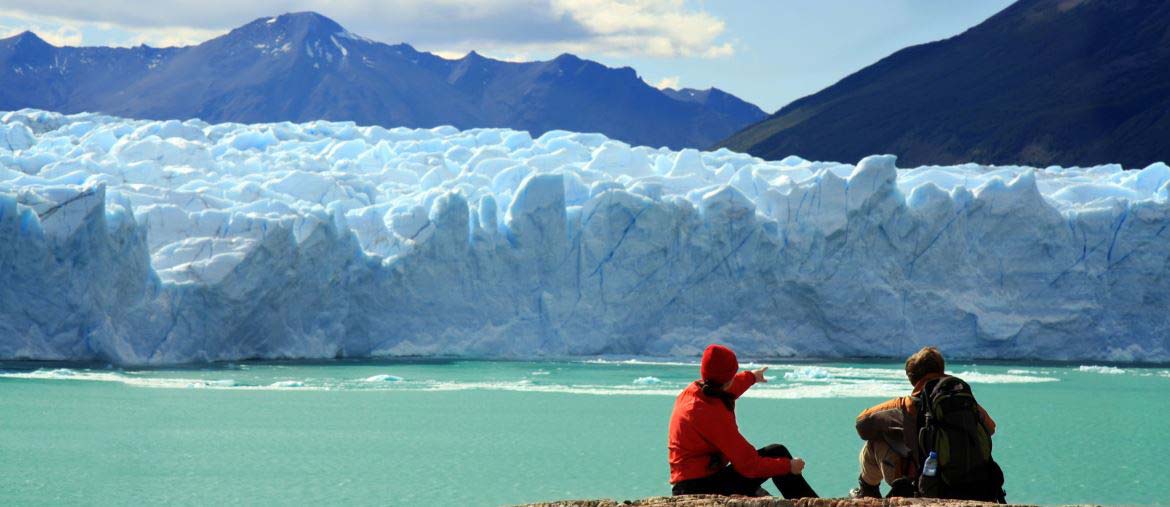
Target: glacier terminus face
x: 147, y: 242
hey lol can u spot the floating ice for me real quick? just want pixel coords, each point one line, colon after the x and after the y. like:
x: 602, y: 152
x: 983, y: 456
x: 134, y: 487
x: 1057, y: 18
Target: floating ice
x: 807, y: 373
x: 146, y: 379
x: 140, y: 242
x: 844, y: 383
x: 95, y: 376
x: 199, y: 384
x: 640, y: 362
x: 829, y: 390
x: 384, y: 378
x: 1106, y: 370
x: 974, y: 377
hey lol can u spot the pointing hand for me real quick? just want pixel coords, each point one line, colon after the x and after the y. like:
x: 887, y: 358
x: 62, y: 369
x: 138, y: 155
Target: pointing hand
x: 760, y: 374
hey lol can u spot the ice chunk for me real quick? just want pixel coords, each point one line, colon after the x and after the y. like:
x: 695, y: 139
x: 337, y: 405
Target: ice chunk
x: 16, y: 136
x: 169, y: 151
x: 617, y: 158
x: 65, y: 212
x: 536, y: 217
x: 168, y: 129
x: 808, y: 373
x: 1106, y: 370
x: 1152, y: 178
x: 688, y: 162
x: 251, y: 139
x: 204, y: 384
x: 726, y: 205
x: 384, y: 378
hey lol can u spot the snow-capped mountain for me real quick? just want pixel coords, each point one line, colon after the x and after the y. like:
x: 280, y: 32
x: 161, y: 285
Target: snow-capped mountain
x: 304, y: 66
x: 134, y: 241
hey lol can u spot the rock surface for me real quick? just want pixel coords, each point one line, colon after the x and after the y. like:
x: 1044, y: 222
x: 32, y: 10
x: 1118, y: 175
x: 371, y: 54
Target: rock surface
x: 742, y: 501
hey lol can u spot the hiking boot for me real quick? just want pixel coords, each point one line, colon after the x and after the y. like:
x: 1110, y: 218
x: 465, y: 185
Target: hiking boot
x: 903, y: 487
x: 864, y: 490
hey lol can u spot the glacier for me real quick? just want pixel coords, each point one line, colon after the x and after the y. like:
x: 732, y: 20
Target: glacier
x: 165, y: 242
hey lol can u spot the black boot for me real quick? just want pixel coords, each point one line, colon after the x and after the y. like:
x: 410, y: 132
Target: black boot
x: 902, y: 487
x: 864, y: 490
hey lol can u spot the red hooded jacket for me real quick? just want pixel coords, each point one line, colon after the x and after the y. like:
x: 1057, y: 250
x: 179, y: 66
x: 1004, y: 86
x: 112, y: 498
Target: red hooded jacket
x: 704, y: 437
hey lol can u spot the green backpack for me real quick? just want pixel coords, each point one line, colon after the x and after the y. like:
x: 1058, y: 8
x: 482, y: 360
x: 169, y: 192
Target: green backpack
x: 951, y: 425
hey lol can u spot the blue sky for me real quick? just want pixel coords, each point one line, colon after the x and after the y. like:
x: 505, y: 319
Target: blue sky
x: 769, y: 52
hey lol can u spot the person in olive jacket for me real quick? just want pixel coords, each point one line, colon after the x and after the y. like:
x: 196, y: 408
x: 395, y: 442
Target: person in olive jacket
x: 890, y: 429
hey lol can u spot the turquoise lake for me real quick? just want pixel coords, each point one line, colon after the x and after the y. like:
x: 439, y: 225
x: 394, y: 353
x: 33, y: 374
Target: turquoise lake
x: 492, y: 433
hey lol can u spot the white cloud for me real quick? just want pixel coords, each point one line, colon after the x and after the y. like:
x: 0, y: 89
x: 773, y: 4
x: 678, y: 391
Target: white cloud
x: 450, y: 55
x: 57, y: 34
x: 654, y: 28
x: 667, y: 82
x: 68, y: 32
x: 513, y: 57
x: 175, y: 36
x: 663, y: 28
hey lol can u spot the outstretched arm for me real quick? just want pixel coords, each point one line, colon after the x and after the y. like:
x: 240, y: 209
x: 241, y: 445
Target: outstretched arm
x: 745, y: 379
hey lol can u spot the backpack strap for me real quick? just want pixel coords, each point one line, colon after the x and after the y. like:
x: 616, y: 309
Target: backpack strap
x: 925, y: 419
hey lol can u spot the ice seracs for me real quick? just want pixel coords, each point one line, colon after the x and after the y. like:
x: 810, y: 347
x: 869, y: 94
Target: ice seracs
x: 139, y: 242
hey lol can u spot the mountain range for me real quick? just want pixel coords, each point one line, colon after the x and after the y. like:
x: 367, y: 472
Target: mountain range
x: 304, y: 66
x: 1068, y: 82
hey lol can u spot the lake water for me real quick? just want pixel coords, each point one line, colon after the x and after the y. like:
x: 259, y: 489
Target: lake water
x: 490, y: 433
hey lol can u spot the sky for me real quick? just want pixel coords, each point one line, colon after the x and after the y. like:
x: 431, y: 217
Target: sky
x: 769, y: 52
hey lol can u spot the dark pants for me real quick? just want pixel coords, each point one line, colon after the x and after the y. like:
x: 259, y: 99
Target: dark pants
x: 729, y: 482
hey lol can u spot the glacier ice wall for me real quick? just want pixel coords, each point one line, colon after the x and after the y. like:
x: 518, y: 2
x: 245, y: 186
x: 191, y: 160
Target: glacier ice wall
x: 141, y: 242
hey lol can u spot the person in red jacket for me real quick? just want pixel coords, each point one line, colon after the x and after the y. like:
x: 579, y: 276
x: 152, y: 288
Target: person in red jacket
x: 707, y: 453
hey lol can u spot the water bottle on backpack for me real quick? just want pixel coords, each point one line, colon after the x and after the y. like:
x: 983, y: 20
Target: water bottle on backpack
x: 930, y: 468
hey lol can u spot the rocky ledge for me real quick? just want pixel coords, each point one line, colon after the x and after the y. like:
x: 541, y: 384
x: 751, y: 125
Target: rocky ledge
x: 742, y: 501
